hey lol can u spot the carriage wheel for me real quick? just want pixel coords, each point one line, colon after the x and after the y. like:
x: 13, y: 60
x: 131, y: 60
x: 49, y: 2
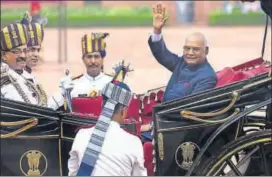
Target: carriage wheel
x: 250, y: 155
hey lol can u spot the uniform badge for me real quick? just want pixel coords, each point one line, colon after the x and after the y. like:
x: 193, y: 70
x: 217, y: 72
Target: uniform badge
x: 185, y: 154
x: 33, y: 163
x: 93, y: 93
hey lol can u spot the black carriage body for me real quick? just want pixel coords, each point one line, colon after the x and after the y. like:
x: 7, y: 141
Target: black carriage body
x: 36, y: 150
x: 180, y: 135
x: 46, y: 134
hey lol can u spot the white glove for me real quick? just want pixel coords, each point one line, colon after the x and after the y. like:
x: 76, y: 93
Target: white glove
x: 66, y: 83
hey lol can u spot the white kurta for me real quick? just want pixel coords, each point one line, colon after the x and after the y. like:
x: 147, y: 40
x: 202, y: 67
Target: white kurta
x: 121, y: 154
x: 83, y: 86
x: 10, y: 92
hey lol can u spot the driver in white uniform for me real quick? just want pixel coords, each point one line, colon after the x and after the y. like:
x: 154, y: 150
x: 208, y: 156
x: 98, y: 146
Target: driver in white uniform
x: 91, y: 82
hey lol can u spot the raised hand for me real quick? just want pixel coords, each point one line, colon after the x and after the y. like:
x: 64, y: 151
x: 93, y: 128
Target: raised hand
x: 159, y: 17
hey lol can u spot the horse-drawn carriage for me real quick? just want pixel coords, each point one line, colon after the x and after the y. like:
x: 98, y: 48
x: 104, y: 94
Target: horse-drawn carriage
x: 198, y: 134
x: 222, y: 131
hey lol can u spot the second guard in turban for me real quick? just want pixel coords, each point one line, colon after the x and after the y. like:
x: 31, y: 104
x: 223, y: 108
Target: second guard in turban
x: 106, y: 149
x: 94, y: 79
x: 36, y: 36
x: 14, y: 39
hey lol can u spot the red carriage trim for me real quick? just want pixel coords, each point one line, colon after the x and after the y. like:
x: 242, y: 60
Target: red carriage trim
x: 148, y: 157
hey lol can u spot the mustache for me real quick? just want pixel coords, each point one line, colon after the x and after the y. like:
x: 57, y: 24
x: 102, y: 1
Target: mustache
x: 93, y: 65
x: 20, y: 59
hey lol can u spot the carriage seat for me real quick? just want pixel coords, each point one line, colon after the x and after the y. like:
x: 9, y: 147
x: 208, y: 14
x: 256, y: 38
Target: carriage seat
x: 130, y: 125
x: 148, y: 103
x: 242, y: 72
x: 87, y: 105
x: 228, y: 76
x: 93, y: 106
x: 148, y: 157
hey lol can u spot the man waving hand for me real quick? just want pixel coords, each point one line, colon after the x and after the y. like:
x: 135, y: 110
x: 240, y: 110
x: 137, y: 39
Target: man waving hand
x: 191, y: 73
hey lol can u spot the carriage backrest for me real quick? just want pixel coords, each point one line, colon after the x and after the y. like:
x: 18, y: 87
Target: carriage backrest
x: 148, y: 103
x: 87, y: 105
x: 250, y: 64
x: 130, y: 125
x: 241, y: 72
x: 93, y: 106
x: 134, y: 108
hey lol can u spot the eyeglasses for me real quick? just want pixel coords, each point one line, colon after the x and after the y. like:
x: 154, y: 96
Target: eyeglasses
x: 95, y: 56
x: 18, y: 51
x: 194, y: 49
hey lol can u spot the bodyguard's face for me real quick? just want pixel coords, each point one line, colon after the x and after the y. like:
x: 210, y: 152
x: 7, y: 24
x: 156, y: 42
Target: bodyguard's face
x: 194, y: 51
x: 33, y: 56
x: 93, y: 63
x: 16, y: 58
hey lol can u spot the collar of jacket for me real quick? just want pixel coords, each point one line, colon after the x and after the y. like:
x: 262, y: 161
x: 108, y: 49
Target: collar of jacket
x: 19, y: 71
x: 94, y: 78
x: 28, y: 69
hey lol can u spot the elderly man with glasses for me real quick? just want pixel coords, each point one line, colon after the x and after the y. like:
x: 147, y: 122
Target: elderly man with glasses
x: 192, y: 72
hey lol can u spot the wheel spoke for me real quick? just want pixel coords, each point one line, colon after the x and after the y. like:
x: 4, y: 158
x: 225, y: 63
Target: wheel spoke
x: 243, y: 160
x: 264, y: 159
x: 233, y: 167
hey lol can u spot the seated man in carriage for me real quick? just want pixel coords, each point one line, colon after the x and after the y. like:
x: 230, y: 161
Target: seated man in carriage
x: 14, y: 39
x: 192, y: 72
x: 92, y: 82
x: 97, y: 151
x: 36, y: 34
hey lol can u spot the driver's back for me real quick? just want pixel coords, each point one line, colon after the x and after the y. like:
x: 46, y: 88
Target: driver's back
x: 121, y: 154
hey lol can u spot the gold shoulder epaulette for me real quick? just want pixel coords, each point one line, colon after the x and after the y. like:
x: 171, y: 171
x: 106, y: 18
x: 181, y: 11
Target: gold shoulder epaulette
x: 77, y: 77
x: 111, y: 75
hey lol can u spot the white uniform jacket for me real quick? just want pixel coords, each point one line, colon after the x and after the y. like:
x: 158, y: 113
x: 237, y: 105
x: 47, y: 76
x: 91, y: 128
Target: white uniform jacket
x: 23, y: 91
x: 31, y: 78
x: 83, y: 86
x: 121, y: 154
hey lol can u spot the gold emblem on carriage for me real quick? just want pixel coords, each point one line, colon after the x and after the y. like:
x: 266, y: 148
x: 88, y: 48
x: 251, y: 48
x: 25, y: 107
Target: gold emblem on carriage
x: 33, y: 163
x: 185, y: 154
x: 160, y: 146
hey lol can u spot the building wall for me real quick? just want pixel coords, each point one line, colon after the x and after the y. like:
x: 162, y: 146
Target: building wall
x: 170, y: 5
x: 202, y: 8
x: 201, y: 11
